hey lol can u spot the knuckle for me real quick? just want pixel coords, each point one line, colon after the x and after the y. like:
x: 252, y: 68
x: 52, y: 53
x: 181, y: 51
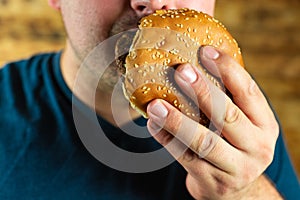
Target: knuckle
x: 203, y: 90
x: 188, y: 156
x: 233, y: 115
x: 253, y: 88
x: 197, y: 144
x: 204, y: 144
x: 249, y: 89
x: 267, y: 149
x: 225, y: 184
x: 274, y: 128
x: 174, y: 121
x: 267, y: 155
x: 164, y: 138
x: 247, y: 176
x: 263, y: 155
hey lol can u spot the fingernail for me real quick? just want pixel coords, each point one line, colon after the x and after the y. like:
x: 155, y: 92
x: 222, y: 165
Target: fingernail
x: 158, y: 110
x: 188, y: 73
x: 210, y: 53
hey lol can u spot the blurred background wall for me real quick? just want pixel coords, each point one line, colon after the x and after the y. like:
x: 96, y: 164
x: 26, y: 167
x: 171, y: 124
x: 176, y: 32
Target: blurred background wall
x: 268, y: 32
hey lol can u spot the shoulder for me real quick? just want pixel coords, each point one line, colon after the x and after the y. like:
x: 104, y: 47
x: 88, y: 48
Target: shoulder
x: 27, y: 73
x: 22, y: 82
x: 28, y: 66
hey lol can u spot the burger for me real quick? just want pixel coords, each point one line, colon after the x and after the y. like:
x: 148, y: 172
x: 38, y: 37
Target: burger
x: 164, y: 40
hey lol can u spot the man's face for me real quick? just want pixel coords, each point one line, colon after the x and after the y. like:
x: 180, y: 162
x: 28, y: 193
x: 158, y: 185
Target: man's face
x: 90, y: 22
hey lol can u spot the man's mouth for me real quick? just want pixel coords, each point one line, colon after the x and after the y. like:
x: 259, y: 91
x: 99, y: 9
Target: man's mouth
x: 122, y: 48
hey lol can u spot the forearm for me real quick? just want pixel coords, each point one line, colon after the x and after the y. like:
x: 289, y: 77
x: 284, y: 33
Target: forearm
x: 263, y: 188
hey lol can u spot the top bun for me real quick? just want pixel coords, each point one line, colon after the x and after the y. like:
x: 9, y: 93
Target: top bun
x: 164, y: 40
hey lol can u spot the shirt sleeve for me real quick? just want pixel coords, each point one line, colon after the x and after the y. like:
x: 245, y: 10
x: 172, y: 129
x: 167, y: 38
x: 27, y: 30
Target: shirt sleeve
x: 282, y: 172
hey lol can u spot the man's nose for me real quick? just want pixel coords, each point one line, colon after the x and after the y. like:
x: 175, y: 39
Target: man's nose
x: 146, y: 7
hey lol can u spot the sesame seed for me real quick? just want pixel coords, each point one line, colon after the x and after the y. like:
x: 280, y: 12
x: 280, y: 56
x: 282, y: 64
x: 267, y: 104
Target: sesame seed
x: 174, y: 51
x: 179, y: 25
x: 144, y: 87
x: 145, y: 41
x: 175, y: 102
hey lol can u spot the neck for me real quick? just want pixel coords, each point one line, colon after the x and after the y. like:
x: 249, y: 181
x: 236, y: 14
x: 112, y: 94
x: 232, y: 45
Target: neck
x: 110, y: 104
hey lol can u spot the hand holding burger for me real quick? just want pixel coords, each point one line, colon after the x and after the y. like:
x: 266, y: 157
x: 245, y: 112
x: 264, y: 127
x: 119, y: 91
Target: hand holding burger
x: 165, y: 40
x: 227, y: 167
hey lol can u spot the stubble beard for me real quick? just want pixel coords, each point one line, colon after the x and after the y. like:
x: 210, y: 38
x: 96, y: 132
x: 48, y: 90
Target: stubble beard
x: 83, y: 48
x: 112, y: 73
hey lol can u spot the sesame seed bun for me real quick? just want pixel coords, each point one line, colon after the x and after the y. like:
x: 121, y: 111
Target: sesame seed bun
x: 164, y: 40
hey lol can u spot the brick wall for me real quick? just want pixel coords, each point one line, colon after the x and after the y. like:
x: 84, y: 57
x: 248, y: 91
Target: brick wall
x: 267, y: 31
x: 28, y: 26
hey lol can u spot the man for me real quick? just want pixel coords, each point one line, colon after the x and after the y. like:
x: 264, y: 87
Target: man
x: 43, y: 157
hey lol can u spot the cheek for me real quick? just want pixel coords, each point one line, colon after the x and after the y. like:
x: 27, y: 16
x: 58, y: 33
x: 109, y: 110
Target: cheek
x: 111, y: 9
x: 82, y: 19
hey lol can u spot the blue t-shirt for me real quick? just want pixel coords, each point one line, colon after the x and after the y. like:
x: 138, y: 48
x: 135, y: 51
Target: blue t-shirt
x: 42, y: 156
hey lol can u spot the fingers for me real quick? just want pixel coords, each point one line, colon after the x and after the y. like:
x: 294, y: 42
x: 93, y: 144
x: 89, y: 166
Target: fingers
x: 241, y: 119
x: 246, y: 121
x: 225, y: 115
x: 246, y: 94
x: 196, y: 137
